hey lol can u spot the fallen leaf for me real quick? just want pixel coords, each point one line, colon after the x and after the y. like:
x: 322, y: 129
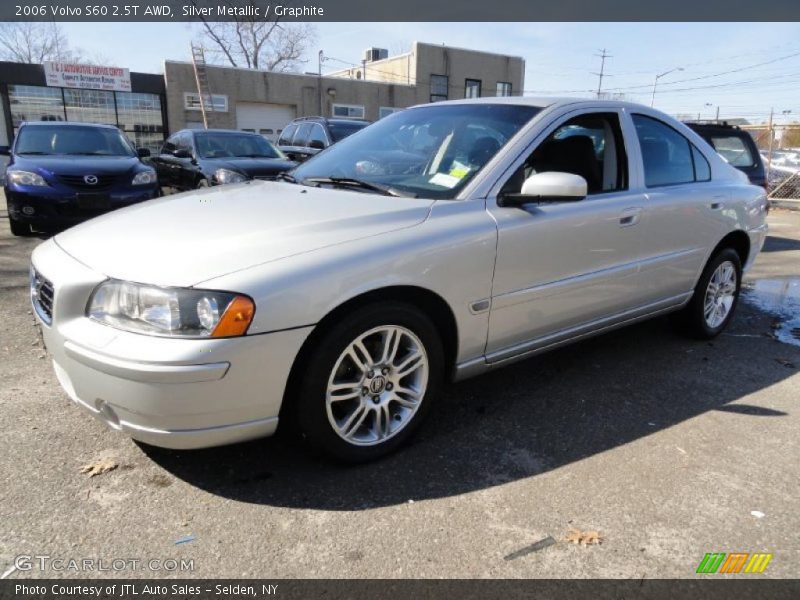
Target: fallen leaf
x: 584, y: 538
x: 98, y: 467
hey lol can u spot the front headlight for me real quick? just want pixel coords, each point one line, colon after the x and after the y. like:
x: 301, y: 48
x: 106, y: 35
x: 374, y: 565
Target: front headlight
x: 171, y: 312
x: 224, y: 176
x: 26, y: 178
x: 144, y: 178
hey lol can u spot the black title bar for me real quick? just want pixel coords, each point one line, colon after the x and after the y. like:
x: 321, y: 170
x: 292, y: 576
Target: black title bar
x: 400, y: 11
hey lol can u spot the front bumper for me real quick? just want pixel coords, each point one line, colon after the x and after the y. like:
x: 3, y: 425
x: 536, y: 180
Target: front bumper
x: 50, y: 208
x: 174, y: 393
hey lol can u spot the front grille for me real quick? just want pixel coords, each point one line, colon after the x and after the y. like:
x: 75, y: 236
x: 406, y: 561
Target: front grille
x: 79, y: 182
x: 42, y: 296
x: 265, y: 177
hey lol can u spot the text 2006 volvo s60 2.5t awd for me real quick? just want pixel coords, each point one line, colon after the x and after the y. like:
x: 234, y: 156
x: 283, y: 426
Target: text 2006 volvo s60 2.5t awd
x: 439, y: 243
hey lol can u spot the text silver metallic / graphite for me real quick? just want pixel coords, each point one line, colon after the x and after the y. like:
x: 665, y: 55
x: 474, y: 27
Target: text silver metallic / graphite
x: 252, y: 11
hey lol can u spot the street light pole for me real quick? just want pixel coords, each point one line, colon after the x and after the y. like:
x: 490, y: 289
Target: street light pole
x: 655, y: 83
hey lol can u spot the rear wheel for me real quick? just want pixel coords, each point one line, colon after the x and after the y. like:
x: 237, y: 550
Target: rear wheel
x: 18, y: 228
x: 370, y: 382
x: 715, y: 296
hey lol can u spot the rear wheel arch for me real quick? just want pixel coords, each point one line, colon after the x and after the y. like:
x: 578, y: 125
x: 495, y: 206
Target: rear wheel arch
x: 428, y: 302
x: 738, y: 241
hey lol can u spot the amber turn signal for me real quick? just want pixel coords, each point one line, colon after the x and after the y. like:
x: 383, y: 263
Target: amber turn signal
x: 236, y: 318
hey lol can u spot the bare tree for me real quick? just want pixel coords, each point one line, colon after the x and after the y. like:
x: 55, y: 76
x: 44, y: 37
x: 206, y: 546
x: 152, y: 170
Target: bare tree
x: 35, y: 43
x: 258, y: 43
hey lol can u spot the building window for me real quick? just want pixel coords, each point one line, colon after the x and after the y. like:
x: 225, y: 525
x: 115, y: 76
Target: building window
x: 503, y: 88
x: 35, y: 103
x: 439, y: 85
x: 90, y: 106
x: 139, y: 116
x: 472, y: 88
x: 352, y: 111
x: 215, y: 102
x: 385, y: 111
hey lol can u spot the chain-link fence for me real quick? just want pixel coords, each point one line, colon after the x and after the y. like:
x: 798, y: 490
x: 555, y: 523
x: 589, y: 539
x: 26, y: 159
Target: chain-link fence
x: 780, y: 149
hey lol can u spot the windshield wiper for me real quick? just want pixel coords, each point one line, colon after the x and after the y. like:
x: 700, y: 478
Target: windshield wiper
x: 36, y: 153
x: 284, y: 176
x: 367, y: 185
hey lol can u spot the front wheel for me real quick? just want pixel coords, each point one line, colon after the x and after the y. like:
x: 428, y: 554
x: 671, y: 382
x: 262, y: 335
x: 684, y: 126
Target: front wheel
x: 716, y: 295
x: 370, y: 382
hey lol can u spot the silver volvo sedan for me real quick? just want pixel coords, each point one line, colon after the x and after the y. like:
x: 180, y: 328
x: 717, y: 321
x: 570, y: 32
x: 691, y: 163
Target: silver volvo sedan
x: 442, y: 241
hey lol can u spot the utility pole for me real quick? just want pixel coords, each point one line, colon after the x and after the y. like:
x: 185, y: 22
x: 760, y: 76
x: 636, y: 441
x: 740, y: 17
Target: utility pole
x: 717, y: 119
x: 603, y: 56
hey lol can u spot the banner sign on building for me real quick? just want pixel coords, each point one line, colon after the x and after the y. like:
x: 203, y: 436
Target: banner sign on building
x: 89, y: 77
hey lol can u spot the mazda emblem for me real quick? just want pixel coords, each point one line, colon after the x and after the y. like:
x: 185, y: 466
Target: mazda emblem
x: 90, y: 179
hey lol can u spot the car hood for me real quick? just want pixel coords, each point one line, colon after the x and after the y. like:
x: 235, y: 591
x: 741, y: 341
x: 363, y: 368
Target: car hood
x: 77, y: 165
x: 188, y: 238
x: 253, y: 167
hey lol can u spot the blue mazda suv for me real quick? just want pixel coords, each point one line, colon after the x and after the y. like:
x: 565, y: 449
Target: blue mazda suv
x: 60, y: 174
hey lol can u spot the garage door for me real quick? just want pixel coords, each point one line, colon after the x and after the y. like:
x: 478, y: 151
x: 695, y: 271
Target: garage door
x: 266, y: 119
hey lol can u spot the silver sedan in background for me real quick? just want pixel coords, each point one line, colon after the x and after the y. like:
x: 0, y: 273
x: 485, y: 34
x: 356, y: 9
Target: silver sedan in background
x: 439, y: 243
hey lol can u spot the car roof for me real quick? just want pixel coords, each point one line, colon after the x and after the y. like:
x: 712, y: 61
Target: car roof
x: 541, y: 101
x: 67, y: 124
x: 220, y: 131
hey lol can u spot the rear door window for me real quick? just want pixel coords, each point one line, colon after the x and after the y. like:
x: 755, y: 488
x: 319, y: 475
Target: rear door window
x: 668, y: 157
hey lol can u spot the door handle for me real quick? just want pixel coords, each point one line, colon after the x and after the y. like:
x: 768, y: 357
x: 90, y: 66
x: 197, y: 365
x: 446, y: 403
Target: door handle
x: 630, y: 217
x: 716, y: 205
x: 715, y: 202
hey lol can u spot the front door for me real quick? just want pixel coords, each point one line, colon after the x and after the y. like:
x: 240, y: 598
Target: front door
x: 563, y: 266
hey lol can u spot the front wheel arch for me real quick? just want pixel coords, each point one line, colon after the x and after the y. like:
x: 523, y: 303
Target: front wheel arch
x: 425, y: 300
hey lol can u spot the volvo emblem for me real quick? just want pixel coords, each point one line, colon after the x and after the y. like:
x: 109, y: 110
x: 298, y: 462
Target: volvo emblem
x: 377, y: 385
x: 90, y: 179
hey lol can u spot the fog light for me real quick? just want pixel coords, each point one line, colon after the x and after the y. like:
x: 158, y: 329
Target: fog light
x: 28, y: 210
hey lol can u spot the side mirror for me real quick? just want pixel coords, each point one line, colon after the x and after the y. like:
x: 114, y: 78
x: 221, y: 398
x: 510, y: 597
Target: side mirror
x: 182, y: 153
x: 317, y: 144
x: 143, y: 152
x: 5, y: 151
x: 552, y: 186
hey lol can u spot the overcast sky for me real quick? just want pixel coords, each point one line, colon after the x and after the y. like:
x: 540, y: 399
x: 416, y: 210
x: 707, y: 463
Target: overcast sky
x: 559, y: 56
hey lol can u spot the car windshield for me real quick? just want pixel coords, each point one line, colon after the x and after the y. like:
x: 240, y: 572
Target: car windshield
x: 230, y: 145
x: 72, y: 140
x: 431, y: 151
x: 341, y: 129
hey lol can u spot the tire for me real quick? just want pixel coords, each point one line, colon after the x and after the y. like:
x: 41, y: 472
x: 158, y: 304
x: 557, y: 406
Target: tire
x: 367, y: 416
x: 704, y: 317
x: 18, y: 228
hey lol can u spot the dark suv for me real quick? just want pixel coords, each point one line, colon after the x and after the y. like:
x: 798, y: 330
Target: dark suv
x: 304, y: 137
x: 60, y: 174
x: 736, y: 146
x: 194, y: 158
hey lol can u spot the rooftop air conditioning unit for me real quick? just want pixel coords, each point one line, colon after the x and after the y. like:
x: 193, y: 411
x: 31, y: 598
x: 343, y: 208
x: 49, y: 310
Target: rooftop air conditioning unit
x: 373, y: 54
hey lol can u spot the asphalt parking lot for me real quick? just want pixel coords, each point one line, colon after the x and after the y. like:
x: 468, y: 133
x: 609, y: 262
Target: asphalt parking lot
x: 669, y: 448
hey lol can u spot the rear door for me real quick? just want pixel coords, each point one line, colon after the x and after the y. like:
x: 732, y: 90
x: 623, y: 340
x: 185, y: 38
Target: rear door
x: 683, y: 207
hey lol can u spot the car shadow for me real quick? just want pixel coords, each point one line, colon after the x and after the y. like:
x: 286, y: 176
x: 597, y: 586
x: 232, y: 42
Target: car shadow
x: 780, y: 244
x: 517, y: 422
